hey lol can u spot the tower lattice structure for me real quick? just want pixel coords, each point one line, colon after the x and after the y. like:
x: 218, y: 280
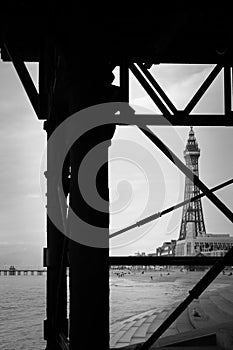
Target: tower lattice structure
x: 192, y: 211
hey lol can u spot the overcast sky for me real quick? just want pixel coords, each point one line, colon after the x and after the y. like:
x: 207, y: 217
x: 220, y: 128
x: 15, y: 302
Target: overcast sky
x: 22, y: 141
x: 142, y: 181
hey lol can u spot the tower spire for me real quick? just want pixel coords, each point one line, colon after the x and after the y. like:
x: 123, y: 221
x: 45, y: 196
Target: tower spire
x: 192, y: 222
x: 191, y: 133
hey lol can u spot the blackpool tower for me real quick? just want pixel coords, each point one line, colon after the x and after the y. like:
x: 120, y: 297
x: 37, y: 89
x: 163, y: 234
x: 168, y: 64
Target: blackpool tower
x: 192, y: 223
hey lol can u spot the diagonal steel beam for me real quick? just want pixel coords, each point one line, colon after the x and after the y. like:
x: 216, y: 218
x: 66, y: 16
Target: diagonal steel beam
x: 197, y: 290
x: 25, y: 78
x: 149, y: 90
x: 158, y: 88
x: 194, y: 178
x: 168, y: 210
x: 200, y: 92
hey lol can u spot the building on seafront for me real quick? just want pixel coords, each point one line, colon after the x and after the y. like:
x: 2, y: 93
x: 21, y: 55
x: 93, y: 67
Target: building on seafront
x: 167, y: 248
x: 193, y: 239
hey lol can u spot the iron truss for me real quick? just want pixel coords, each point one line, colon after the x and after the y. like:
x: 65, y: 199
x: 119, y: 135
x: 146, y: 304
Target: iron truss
x: 53, y: 43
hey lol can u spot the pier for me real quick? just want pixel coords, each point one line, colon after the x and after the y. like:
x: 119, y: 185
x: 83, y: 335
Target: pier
x: 12, y: 271
x: 77, y: 54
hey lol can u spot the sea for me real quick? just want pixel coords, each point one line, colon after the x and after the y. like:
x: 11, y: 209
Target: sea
x: 22, y: 312
x: 22, y: 305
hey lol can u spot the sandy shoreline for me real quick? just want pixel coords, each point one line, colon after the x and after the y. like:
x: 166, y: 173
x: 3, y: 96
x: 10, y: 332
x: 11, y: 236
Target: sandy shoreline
x: 168, y: 276
x: 140, y: 304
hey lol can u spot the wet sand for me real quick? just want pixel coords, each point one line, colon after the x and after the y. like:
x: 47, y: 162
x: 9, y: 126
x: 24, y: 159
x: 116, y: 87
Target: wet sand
x: 169, y: 276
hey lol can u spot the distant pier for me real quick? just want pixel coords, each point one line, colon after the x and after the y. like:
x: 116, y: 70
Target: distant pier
x: 12, y: 271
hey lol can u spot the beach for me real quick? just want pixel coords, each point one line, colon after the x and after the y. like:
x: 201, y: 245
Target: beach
x: 139, y: 298
x: 135, y: 299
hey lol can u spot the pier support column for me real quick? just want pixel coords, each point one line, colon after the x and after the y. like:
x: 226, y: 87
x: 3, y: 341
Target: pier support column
x: 77, y: 79
x: 89, y: 265
x: 89, y: 270
x: 55, y: 258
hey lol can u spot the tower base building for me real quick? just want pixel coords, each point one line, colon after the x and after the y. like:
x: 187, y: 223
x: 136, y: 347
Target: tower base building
x: 207, y: 244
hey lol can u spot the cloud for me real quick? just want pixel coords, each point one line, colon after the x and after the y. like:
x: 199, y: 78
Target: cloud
x: 33, y: 195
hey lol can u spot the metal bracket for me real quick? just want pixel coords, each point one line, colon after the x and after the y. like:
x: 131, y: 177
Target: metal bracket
x: 46, y: 260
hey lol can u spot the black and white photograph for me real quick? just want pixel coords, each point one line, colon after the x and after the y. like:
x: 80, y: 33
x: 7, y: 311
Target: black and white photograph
x: 116, y: 176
